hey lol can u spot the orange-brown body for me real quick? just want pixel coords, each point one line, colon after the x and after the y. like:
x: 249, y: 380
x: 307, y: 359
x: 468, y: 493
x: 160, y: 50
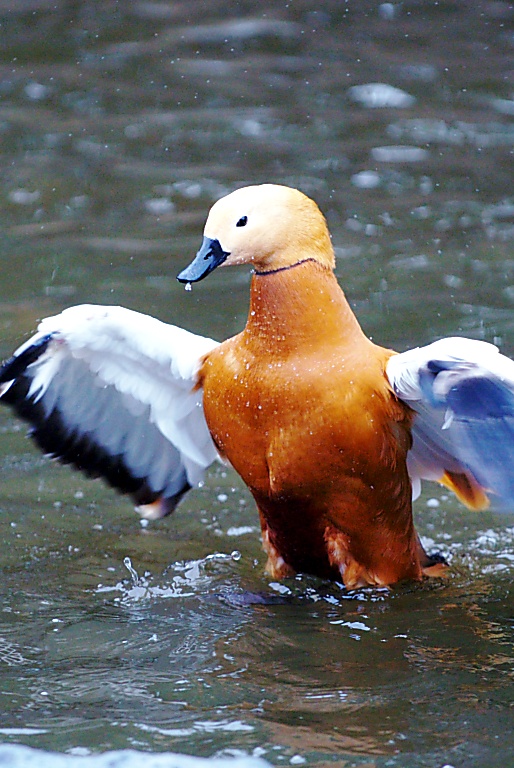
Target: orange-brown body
x: 300, y: 406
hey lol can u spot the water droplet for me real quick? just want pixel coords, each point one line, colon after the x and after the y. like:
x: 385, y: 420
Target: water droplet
x: 188, y: 287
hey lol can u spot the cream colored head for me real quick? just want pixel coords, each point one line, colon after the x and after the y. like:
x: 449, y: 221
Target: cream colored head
x: 283, y: 226
x: 269, y: 226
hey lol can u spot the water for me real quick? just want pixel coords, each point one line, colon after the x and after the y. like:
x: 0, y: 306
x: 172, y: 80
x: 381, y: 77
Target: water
x: 120, y: 124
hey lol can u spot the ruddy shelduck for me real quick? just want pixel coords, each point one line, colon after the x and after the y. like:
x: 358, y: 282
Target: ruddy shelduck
x: 331, y: 433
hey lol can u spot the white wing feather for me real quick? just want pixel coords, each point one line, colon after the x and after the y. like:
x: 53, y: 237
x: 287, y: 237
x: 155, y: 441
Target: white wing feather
x: 128, y: 382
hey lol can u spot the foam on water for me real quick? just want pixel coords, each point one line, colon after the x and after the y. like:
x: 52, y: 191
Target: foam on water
x: 16, y: 756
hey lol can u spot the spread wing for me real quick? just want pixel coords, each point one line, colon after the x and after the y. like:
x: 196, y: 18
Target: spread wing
x: 113, y: 392
x: 462, y: 392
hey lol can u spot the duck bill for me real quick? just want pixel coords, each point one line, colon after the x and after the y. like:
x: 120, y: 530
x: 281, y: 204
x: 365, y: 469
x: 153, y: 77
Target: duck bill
x: 210, y: 256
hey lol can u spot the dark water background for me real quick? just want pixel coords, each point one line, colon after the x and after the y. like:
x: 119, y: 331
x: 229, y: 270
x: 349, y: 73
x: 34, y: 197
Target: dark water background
x: 120, y: 124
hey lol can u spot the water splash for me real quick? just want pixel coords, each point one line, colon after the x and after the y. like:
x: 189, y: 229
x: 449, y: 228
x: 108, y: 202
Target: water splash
x: 188, y: 287
x: 189, y: 580
x: 136, y: 580
x: 235, y: 556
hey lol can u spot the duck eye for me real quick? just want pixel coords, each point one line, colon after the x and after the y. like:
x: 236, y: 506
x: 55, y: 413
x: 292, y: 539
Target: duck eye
x: 242, y: 221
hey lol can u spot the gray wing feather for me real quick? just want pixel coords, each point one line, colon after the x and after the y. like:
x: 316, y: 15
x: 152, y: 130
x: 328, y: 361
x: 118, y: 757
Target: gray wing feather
x: 462, y: 392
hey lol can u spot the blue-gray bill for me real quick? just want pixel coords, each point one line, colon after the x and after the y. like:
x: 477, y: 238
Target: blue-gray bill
x: 210, y: 256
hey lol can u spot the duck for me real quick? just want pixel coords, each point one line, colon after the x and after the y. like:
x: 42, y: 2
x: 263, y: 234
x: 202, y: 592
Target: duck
x: 331, y: 433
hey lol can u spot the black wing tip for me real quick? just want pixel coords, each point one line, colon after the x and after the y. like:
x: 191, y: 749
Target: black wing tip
x: 16, y: 365
x: 87, y: 456
x: 67, y: 446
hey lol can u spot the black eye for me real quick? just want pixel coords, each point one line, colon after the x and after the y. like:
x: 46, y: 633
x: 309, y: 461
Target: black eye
x: 242, y: 221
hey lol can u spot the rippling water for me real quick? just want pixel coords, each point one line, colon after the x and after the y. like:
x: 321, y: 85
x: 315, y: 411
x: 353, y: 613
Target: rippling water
x: 120, y: 124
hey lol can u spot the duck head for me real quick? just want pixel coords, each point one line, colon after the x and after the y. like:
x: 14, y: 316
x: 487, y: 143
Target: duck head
x: 269, y: 226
